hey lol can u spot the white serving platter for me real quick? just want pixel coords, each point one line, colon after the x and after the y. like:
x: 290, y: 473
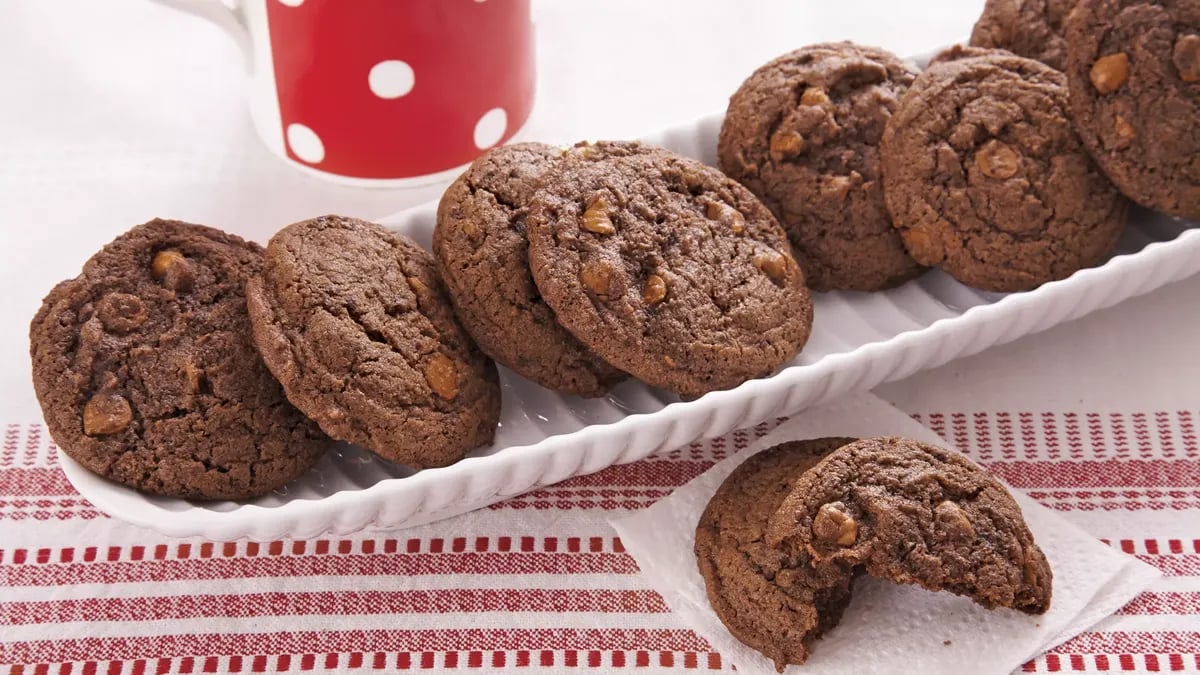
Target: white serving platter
x: 859, y: 340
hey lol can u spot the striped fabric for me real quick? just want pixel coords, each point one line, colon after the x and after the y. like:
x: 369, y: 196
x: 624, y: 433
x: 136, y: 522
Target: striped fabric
x: 539, y: 582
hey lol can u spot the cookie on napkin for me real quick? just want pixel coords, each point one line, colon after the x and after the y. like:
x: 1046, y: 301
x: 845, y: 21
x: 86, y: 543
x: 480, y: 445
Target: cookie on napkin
x: 766, y: 597
x: 913, y: 512
x: 888, y: 624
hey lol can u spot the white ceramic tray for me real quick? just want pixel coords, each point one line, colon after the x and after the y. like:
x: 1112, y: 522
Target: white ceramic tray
x: 858, y: 341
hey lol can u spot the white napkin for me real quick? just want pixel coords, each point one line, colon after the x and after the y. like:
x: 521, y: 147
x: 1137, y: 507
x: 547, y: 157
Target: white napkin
x: 889, y: 627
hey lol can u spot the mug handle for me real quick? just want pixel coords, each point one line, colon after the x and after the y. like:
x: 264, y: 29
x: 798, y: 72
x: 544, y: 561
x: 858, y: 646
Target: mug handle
x: 222, y: 13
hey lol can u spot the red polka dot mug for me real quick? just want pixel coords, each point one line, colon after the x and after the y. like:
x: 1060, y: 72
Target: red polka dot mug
x: 382, y: 92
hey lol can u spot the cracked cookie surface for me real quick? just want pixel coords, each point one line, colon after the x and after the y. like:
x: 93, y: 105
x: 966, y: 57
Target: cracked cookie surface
x: 986, y: 179
x: 1029, y: 28
x: 147, y: 374
x: 802, y: 133
x: 918, y: 514
x: 1133, y: 68
x: 483, y: 255
x: 355, y: 323
x: 768, y: 599
x: 666, y: 268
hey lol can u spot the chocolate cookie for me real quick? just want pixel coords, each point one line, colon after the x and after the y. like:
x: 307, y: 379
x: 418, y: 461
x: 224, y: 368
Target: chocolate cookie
x: 768, y: 599
x: 483, y: 255
x: 666, y: 268
x: 803, y: 134
x: 1029, y: 28
x: 985, y: 178
x: 914, y: 513
x: 1134, y: 72
x: 959, y: 52
x: 354, y: 322
x: 147, y: 374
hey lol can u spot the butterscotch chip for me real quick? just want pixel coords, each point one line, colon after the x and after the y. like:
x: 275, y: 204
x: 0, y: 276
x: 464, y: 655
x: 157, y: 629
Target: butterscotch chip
x: 1132, y: 69
x: 715, y: 210
x: 1186, y: 57
x: 1110, y: 72
x: 773, y: 603
x: 997, y: 160
x: 720, y: 319
x: 598, y: 278
x: 106, y: 413
x: 442, y: 376
x: 787, y: 144
x: 595, y: 218
x: 802, y: 133
x: 833, y: 525
x: 118, y: 367
x: 163, y: 261
x: 483, y: 256
x: 356, y: 324
x: 953, y: 521
x: 655, y: 290
x: 814, y: 96
x: 774, y: 264
x: 726, y: 214
x: 173, y: 270
x: 923, y: 515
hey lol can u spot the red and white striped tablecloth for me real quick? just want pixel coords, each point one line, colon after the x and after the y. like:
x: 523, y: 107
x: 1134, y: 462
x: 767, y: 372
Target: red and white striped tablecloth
x: 539, y: 582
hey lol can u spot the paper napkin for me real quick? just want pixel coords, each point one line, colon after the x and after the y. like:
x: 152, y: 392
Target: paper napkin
x: 889, y: 627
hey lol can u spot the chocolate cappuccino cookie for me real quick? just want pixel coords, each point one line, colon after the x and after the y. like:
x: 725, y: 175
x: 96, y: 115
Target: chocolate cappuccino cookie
x: 354, y: 322
x: 147, y: 374
x: 483, y: 255
x: 666, y: 268
x: 914, y: 513
x: 1133, y: 68
x: 986, y: 179
x: 768, y: 599
x: 802, y: 133
x: 1029, y: 28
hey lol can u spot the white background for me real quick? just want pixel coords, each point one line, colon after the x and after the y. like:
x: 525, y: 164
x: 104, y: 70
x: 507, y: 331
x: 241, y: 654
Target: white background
x: 116, y: 111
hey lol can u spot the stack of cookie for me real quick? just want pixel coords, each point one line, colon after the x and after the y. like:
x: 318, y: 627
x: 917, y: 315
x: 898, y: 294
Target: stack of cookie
x: 574, y: 268
x: 147, y: 373
x: 785, y: 536
x: 187, y: 362
x: 990, y: 165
